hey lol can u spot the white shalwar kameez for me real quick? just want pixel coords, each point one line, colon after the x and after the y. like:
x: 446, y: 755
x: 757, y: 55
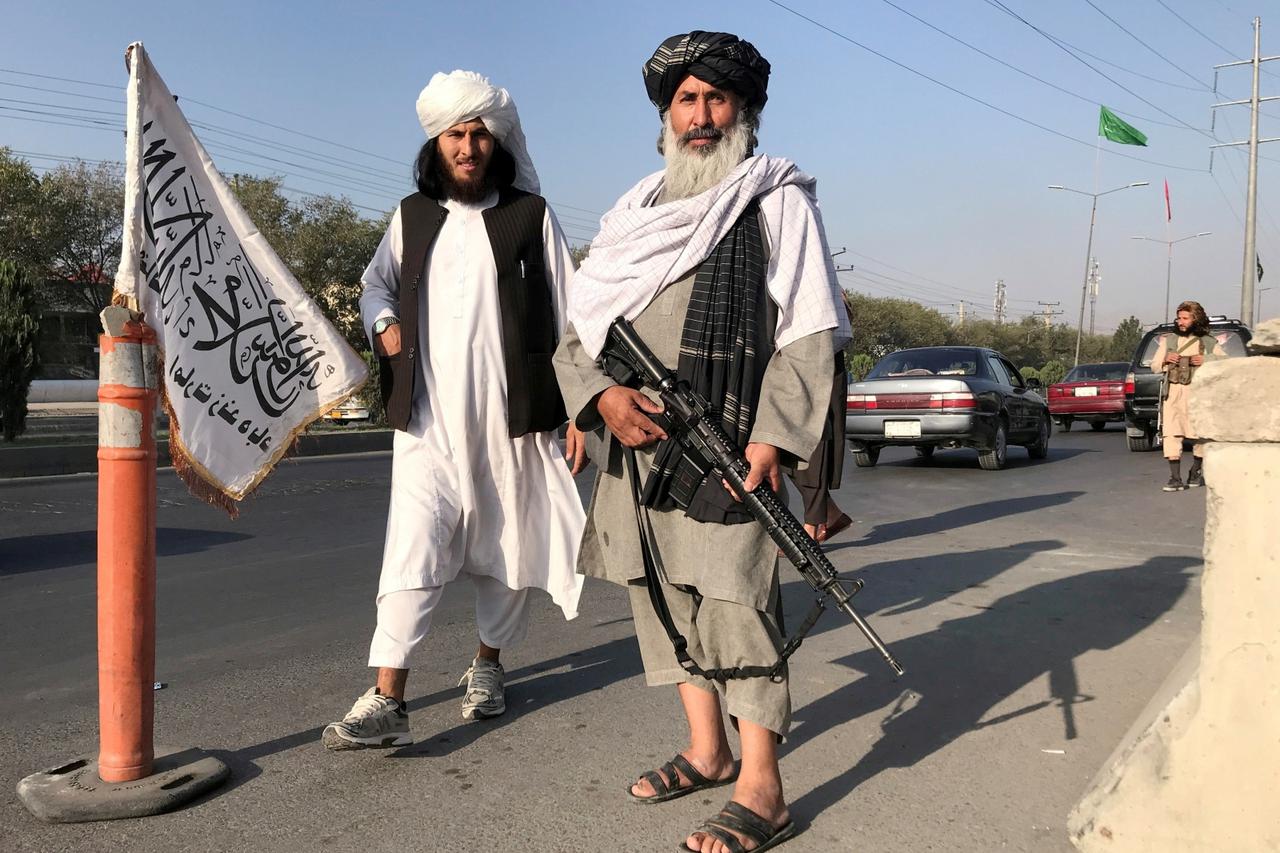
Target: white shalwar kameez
x: 466, y: 497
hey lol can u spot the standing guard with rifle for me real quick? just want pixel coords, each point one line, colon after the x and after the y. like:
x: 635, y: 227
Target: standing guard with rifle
x: 1178, y: 357
x: 697, y: 362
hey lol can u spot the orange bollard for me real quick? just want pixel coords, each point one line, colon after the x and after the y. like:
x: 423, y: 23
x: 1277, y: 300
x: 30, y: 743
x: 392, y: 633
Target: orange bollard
x: 130, y: 777
x: 126, y: 553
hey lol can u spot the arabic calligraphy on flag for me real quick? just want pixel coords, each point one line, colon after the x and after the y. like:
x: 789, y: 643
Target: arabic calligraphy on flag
x: 249, y: 359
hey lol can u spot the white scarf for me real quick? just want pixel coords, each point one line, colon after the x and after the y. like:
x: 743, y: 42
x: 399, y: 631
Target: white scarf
x: 642, y: 248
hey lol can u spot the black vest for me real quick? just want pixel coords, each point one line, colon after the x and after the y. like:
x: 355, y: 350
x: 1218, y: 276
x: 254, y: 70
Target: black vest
x: 529, y: 335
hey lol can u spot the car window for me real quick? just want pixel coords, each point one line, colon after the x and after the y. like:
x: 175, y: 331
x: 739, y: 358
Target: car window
x: 938, y: 361
x: 1015, y: 378
x: 1110, y: 372
x: 998, y: 371
x: 1229, y: 340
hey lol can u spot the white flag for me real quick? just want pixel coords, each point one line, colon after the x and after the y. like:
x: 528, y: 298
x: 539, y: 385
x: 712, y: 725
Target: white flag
x: 249, y: 360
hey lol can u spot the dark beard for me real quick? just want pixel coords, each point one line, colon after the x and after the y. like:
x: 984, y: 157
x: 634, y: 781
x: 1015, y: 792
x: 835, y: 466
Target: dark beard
x: 471, y: 192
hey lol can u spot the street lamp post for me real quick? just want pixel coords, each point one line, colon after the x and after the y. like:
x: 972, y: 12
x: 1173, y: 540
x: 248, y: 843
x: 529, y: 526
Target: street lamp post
x: 1088, y: 252
x: 1168, y: 266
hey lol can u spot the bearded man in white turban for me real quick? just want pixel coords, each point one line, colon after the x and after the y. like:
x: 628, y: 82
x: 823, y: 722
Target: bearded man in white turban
x: 464, y: 303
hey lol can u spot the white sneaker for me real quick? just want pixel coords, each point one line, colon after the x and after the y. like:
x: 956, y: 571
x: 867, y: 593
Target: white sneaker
x: 485, y: 696
x: 373, y: 721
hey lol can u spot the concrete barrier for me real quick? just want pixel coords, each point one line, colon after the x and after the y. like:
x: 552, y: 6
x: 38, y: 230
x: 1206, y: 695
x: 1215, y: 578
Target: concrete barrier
x: 63, y: 391
x: 1200, y: 770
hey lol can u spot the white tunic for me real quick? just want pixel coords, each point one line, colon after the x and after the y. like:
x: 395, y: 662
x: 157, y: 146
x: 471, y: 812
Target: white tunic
x: 465, y: 497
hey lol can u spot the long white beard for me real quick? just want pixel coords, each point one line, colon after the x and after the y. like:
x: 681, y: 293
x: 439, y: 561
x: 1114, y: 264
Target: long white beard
x: 693, y: 170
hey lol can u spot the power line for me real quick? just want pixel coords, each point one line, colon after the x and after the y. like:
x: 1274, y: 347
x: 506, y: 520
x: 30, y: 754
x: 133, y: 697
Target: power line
x: 364, y: 178
x: 1197, y: 30
x: 978, y: 100
x: 1022, y: 71
x: 1135, y: 37
x: 1061, y: 46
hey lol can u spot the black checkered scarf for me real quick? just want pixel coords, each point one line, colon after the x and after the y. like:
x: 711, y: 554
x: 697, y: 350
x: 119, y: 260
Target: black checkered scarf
x: 721, y: 359
x: 719, y: 59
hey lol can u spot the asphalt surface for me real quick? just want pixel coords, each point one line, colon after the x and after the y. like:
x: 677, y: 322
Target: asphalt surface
x: 1036, y: 611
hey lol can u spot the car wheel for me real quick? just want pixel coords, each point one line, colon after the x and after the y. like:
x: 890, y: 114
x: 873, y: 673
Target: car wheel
x: 925, y: 451
x: 1140, y: 443
x: 866, y: 458
x: 1040, y: 449
x: 994, y: 459
x: 1098, y: 426
x: 1064, y: 424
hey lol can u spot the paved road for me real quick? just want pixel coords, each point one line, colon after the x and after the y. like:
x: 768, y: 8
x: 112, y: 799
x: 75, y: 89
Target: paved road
x: 1036, y: 611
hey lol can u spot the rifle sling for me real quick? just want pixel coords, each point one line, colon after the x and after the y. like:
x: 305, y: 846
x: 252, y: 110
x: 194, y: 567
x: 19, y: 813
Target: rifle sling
x: 653, y: 580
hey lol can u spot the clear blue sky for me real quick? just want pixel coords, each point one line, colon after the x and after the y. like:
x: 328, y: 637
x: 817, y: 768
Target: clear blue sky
x: 911, y: 176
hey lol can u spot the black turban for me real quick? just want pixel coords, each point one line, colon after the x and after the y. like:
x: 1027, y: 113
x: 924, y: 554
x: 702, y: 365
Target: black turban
x: 719, y: 59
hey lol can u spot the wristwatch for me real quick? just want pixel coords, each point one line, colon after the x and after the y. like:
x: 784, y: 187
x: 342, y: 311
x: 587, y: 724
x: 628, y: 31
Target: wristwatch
x: 385, y: 323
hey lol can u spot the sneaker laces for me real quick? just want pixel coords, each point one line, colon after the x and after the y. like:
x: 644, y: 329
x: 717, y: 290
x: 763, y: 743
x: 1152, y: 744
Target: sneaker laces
x: 485, y: 679
x: 367, y: 706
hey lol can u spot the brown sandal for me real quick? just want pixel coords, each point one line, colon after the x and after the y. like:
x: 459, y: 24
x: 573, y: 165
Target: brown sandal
x: 664, y: 791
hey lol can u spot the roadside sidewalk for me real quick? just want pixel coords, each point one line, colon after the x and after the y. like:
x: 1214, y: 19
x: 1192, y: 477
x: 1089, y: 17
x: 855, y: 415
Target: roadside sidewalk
x: 62, y: 438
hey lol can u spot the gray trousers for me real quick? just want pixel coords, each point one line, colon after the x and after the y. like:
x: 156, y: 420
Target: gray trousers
x: 720, y: 634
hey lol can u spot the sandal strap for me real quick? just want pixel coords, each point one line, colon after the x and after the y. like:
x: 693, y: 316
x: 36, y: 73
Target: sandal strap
x: 740, y: 819
x: 656, y: 780
x: 686, y: 767
x: 722, y: 835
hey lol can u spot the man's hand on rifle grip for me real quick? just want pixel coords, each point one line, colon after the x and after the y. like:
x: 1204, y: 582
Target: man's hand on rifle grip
x: 624, y: 412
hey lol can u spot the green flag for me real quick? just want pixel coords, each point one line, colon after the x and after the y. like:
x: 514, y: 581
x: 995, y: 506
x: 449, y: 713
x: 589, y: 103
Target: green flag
x: 1117, y: 129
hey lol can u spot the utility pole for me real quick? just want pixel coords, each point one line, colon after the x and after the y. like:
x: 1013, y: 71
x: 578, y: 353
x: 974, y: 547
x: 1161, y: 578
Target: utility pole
x: 1047, y: 314
x: 1001, y: 302
x: 1249, y: 278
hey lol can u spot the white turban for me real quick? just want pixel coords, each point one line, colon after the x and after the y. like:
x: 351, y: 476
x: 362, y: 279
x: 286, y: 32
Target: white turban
x: 465, y: 95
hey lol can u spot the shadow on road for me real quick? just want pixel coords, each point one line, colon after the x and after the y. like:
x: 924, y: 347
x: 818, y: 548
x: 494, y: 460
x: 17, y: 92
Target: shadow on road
x: 958, y: 517
x: 896, y: 587
x: 968, y: 459
x: 957, y: 673
x: 529, y: 689
x: 19, y: 554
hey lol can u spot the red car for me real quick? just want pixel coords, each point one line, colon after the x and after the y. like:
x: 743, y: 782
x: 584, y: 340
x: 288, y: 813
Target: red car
x: 1090, y: 392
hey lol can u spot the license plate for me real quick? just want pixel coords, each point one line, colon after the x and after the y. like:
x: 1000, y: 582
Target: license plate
x: 901, y: 429
x: 1087, y: 392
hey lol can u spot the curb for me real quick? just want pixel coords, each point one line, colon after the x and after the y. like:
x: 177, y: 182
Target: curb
x: 51, y: 459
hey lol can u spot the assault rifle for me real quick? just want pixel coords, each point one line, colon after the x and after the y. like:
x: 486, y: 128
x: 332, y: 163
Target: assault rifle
x: 691, y: 420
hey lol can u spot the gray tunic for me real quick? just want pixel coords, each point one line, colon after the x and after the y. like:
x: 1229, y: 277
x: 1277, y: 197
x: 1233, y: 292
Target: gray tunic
x: 731, y: 562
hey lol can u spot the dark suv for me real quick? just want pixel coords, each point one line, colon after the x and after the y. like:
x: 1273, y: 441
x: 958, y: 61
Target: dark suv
x: 1142, y: 384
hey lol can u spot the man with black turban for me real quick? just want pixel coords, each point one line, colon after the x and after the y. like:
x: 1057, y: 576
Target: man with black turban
x: 721, y: 264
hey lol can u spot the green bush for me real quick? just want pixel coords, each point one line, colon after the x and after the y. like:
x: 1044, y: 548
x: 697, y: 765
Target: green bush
x: 860, y: 365
x: 371, y: 393
x: 1053, y: 372
x: 1029, y: 372
x: 19, y: 342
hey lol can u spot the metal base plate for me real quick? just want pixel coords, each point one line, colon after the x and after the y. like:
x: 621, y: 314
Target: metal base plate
x: 73, y: 792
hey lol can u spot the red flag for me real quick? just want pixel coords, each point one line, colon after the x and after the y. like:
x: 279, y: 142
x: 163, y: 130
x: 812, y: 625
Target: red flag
x: 1168, y: 211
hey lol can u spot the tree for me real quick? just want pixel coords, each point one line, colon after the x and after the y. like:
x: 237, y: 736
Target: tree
x: 860, y: 365
x: 1126, y: 339
x: 82, y: 221
x: 1052, y: 373
x: 579, y: 254
x: 330, y: 247
x: 323, y: 241
x: 21, y: 238
x: 19, y: 340
x: 1029, y: 373
x: 882, y: 325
